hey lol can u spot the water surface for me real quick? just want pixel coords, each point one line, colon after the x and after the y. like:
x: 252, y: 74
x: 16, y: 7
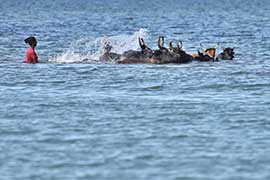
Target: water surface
x: 86, y: 120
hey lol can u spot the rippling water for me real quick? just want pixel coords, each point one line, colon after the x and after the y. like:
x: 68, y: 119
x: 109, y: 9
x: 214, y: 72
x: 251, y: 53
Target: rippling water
x: 61, y: 120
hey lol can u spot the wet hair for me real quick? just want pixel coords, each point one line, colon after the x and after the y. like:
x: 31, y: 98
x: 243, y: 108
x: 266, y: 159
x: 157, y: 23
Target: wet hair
x: 31, y: 41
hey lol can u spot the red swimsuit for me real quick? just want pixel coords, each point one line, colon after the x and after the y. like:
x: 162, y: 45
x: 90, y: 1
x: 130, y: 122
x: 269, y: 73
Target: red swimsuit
x: 31, y: 56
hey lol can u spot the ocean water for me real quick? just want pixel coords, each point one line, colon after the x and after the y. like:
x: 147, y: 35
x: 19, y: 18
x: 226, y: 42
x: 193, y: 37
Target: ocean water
x: 73, y: 117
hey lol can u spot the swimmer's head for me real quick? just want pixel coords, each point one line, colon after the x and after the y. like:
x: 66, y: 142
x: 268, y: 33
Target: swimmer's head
x: 31, y: 41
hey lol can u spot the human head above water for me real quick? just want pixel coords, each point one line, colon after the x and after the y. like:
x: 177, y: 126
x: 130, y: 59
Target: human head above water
x: 31, y: 41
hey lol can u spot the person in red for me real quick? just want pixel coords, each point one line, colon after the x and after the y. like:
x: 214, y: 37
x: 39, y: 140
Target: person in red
x: 31, y: 56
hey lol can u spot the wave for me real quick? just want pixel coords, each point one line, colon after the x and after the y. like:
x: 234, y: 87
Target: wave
x: 89, y: 50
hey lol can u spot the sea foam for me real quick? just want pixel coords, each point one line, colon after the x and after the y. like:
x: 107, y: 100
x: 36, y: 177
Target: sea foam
x: 88, y: 50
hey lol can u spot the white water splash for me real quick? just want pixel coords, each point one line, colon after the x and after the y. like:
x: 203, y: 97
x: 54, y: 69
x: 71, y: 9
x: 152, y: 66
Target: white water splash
x: 89, y: 50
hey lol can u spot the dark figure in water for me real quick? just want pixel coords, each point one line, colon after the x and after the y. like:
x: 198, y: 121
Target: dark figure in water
x: 208, y: 54
x: 128, y: 57
x: 148, y: 56
x: 109, y: 56
x: 145, y: 52
x: 227, y: 54
x: 183, y: 56
x: 171, y: 54
x: 167, y: 55
x: 161, y: 56
x: 135, y: 57
x: 31, y: 56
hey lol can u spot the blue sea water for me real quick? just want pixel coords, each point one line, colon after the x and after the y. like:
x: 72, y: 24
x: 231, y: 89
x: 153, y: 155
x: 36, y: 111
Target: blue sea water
x: 67, y: 118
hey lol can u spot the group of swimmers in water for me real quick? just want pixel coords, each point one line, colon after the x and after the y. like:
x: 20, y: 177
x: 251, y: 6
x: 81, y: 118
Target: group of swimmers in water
x: 162, y: 55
